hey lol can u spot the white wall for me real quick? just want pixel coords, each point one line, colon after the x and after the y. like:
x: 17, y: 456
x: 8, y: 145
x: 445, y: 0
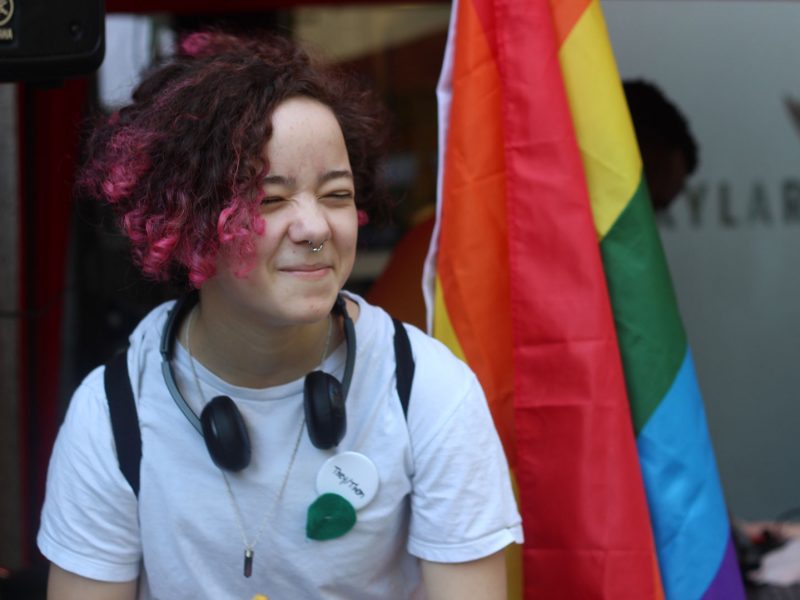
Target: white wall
x: 733, y: 238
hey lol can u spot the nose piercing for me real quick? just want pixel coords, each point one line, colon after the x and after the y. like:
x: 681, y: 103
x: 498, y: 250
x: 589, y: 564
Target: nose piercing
x: 315, y: 249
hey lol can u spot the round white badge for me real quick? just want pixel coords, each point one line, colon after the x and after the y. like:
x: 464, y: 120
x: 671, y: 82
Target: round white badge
x: 352, y: 476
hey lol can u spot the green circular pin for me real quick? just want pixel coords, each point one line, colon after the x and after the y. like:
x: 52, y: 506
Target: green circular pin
x: 329, y: 516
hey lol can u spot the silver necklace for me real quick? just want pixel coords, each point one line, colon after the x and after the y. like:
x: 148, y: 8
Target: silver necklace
x: 249, y: 547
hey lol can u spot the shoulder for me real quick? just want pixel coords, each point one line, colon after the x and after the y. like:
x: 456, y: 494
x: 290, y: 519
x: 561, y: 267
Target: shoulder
x: 85, y: 435
x: 88, y: 402
x: 145, y: 344
x: 443, y: 384
x: 149, y: 329
x: 439, y: 373
x: 437, y: 360
x: 88, y: 413
x: 434, y: 361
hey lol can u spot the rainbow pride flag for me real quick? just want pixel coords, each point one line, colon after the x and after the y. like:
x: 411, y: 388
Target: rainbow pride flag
x: 578, y: 344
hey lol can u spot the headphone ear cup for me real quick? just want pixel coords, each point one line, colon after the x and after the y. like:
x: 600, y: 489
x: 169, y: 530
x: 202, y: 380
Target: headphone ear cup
x: 326, y: 420
x: 225, y: 434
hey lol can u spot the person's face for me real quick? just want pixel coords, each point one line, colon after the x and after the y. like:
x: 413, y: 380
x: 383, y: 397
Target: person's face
x: 309, y: 196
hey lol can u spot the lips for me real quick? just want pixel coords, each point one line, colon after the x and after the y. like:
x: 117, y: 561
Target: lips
x: 314, y: 271
x: 313, y: 267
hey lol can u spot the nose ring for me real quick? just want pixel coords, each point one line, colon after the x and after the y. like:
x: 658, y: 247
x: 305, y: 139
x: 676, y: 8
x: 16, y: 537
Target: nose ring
x: 315, y: 249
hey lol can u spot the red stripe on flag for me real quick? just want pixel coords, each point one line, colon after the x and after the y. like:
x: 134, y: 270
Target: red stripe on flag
x: 565, y: 14
x: 581, y: 494
x: 583, y: 500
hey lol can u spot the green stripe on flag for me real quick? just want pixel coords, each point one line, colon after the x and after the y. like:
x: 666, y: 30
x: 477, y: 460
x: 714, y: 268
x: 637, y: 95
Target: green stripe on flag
x: 651, y: 336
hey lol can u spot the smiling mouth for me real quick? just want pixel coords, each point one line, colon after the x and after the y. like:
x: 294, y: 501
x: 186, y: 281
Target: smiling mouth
x: 308, y: 271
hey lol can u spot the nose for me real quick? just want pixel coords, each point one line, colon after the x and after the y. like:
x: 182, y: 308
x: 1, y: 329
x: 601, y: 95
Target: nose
x: 309, y: 222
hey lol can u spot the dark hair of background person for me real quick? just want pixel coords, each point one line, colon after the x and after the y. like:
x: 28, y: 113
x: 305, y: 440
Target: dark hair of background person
x: 669, y: 150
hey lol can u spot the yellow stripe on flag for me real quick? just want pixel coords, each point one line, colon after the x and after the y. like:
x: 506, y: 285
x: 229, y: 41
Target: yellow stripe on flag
x: 603, y: 127
x: 442, y: 327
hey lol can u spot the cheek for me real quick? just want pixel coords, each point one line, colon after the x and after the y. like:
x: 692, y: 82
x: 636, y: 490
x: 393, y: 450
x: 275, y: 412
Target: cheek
x: 227, y: 264
x: 348, y: 239
x: 234, y: 268
x: 270, y: 238
x: 351, y: 235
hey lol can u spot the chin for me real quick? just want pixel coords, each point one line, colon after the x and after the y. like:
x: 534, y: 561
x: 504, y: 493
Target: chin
x: 311, y: 308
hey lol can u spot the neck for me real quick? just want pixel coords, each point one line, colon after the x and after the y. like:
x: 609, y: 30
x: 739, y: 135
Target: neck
x: 249, y: 353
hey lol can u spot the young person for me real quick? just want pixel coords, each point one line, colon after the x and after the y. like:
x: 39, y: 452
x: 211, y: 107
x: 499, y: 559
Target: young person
x: 243, y: 169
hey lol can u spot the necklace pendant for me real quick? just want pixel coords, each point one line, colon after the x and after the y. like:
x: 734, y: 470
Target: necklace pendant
x: 248, y: 562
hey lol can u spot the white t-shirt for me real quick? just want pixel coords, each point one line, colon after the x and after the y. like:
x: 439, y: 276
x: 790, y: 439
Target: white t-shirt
x: 444, y: 492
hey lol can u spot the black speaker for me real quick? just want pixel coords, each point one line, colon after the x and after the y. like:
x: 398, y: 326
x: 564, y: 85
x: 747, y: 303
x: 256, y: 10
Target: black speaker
x: 50, y: 40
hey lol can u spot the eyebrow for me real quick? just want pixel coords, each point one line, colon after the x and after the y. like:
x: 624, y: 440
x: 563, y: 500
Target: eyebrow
x: 279, y: 180
x: 291, y: 181
x: 334, y: 175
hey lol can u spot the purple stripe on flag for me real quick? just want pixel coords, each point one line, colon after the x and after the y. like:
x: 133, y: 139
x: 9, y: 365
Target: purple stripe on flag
x: 727, y: 583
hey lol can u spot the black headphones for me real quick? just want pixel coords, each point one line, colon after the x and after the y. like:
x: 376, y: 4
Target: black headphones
x: 221, y: 424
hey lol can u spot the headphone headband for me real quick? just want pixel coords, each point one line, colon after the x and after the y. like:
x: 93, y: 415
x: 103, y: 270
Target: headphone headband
x: 170, y: 334
x: 340, y: 307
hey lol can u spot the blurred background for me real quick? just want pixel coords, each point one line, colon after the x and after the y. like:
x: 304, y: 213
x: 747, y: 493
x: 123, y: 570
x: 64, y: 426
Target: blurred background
x: 69, y: 295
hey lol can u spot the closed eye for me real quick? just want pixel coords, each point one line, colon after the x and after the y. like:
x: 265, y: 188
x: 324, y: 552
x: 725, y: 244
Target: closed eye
x: 271, y: 200
x: 343, y: 194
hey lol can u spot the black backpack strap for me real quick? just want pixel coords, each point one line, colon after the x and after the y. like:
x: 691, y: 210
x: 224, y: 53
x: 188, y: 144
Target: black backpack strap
x: 405, y: 364
x: 124, y: 418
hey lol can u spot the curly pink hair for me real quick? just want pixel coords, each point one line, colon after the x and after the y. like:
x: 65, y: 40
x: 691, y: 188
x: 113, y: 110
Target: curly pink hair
x: 182, y: 164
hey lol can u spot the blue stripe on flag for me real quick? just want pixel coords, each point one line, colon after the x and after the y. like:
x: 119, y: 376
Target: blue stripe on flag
x: 690, y: 521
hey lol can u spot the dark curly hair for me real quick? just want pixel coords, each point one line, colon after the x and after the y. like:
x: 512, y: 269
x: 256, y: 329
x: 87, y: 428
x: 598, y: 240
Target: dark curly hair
x: 657, y: 120
x: 182, y: 164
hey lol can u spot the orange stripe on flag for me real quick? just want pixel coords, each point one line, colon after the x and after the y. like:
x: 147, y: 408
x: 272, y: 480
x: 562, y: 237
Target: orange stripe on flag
x: 565, y: 14
x: 473, y: 217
